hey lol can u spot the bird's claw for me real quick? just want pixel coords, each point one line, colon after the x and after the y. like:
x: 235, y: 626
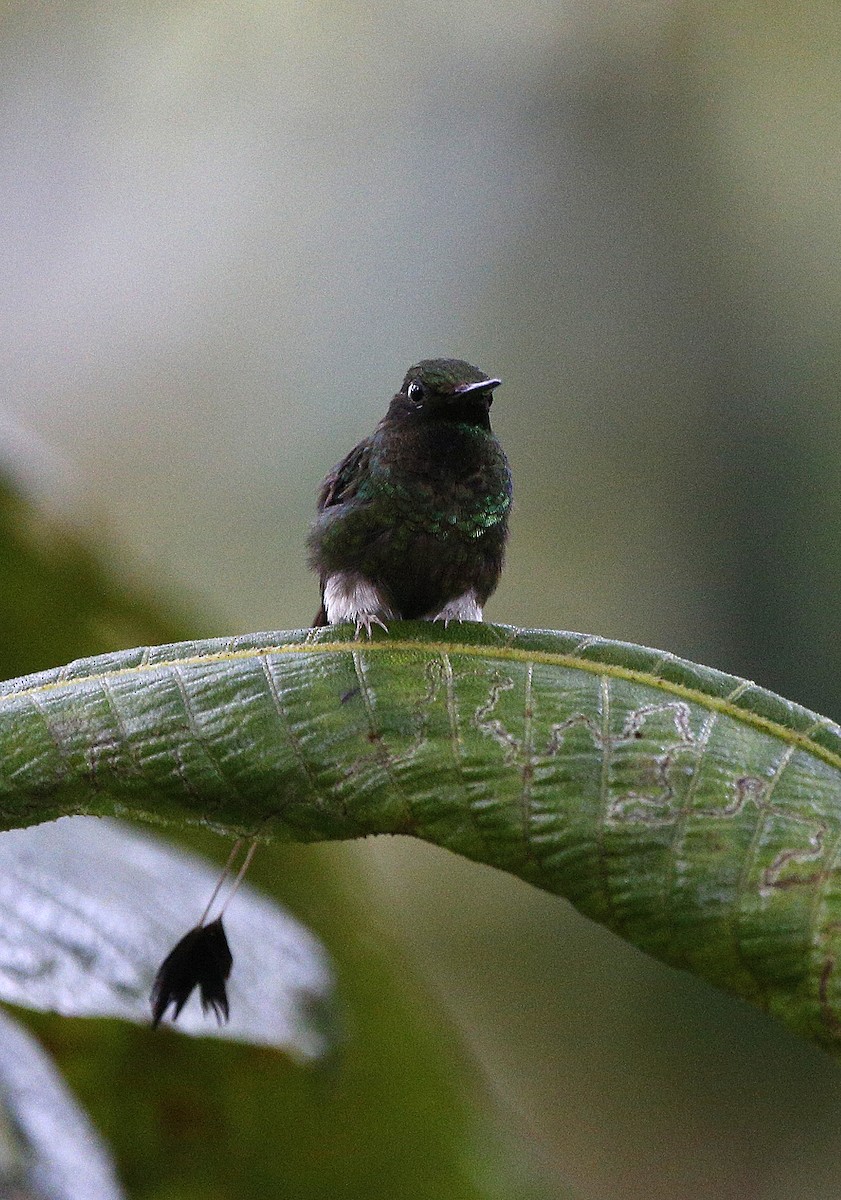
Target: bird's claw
x: 460, y: 608
x: 365, y: 621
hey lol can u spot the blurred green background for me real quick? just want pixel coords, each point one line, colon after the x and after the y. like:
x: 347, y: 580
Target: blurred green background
x: 227, y: 230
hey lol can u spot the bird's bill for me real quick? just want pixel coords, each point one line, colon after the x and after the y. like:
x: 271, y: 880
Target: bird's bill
x: 482, y: 385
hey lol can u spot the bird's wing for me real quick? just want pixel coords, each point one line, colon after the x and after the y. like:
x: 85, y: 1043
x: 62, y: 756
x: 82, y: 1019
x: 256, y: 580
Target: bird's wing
x: 340, y: 485
x: 343, y: 481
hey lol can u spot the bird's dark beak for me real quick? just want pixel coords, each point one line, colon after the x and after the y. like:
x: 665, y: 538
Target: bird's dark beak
x: 482, y: 385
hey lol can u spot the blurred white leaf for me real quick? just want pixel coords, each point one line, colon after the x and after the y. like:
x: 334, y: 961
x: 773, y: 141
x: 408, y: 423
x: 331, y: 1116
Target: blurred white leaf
x: 90, y: 907
x: 48, y: 1148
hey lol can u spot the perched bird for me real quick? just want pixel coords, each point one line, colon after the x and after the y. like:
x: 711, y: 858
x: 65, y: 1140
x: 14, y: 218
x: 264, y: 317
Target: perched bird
x: 412, y: 523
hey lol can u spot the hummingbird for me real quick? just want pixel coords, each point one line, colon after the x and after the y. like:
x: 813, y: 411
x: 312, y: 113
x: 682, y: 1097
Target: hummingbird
x: 412, y: 523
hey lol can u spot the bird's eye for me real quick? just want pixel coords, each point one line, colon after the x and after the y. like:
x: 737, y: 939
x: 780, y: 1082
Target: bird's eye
x: 415, y: 391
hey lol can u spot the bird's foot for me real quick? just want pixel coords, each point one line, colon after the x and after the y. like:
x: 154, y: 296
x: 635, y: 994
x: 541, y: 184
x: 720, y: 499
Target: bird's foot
x: 350, y: 597
x: 462, y: 608
x: 365, y: 621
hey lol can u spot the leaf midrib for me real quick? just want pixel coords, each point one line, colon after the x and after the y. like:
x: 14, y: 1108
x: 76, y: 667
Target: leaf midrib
x: 721, y: 704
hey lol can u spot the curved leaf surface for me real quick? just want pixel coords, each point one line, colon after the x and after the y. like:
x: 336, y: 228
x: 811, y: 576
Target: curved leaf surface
x: 694, y: 813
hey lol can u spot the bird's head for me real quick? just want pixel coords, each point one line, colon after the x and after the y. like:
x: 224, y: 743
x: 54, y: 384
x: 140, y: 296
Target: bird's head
x: 447, y: 389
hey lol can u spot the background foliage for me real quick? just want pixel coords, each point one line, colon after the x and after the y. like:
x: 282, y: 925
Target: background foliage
x: 227, y: 232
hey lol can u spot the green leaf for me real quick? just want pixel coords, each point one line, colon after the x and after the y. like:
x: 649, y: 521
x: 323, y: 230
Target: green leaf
x: 690, y: 811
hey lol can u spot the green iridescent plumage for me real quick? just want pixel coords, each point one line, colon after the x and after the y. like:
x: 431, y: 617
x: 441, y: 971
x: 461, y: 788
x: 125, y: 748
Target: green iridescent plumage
x: 415, y: 518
